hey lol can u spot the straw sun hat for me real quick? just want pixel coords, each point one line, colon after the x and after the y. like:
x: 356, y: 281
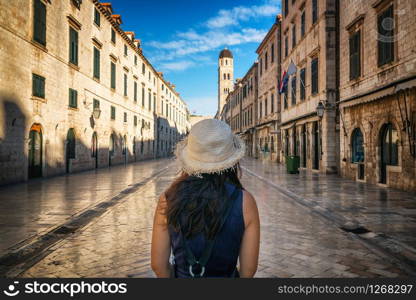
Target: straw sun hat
x: 210, y: 147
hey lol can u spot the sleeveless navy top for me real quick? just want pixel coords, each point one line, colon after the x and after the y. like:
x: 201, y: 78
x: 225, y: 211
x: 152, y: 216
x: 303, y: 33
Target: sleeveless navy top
x: 224, y: 255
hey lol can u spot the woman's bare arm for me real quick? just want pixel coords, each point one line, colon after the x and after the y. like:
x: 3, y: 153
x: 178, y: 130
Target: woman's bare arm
x: 249, y: 251
x: 160, y: 252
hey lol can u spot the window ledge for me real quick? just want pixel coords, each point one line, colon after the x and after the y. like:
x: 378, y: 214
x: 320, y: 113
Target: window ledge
x: 394, y: 169
x: 96, y: 79
x: 73, y: 108
x: 43, y: 100
x: 73, y: 66
x: 39, y: 46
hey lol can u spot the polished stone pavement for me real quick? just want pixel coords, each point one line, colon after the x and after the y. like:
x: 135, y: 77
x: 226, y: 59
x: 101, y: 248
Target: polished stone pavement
x: 379, y: 209
x: 35, y: 207
x: 294, y: 241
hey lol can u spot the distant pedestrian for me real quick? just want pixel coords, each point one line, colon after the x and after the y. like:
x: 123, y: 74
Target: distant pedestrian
x: 206, y: 218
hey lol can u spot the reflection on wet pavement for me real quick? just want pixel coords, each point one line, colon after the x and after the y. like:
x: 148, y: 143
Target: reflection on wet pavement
x: 294, y: 241
x: 34, y: 207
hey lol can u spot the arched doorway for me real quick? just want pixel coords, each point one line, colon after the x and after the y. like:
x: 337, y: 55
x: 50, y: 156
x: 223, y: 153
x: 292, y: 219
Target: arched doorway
x: 295, y: 141
x: 134, y: 148
x: 389, y: 149
x: 125, y: 149
x: 316, y: 149
x: 287, y: 146
x: 304, y: 147
x: 70, y: 148
x: 357, y: 146
x: 35, y: 151
x: 111, y: 149
x: 357, y: 152
x: 94, y: 149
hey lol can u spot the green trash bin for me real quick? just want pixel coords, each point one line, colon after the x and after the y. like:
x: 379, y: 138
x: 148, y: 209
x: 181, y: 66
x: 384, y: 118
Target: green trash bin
x: 292, y: 164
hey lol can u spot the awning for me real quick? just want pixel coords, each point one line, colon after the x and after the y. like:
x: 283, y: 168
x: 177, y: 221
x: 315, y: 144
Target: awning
x: 405, y: 85
x: 370, y: 97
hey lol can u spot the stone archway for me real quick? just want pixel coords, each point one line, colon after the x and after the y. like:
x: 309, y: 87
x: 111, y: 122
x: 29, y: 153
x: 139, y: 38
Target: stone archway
x: 35, y: 164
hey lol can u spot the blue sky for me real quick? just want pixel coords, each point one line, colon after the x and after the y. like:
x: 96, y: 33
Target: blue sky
x: 182, y: 39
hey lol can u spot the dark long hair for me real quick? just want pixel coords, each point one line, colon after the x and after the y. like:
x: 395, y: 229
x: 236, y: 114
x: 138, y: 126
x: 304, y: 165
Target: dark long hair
x: 197, y: 203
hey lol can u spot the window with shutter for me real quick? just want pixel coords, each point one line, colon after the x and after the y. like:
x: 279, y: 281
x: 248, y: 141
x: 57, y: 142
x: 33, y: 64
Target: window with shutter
x: 96, y: 63
x: 314, y: 11
x: 125, y: 85
x: 113, y: 36
x: 314, y: 75
x: 286, y: 7
x: 39, y: 22
x: 73, y: 98
x: 293, y: 36
x: 355, y: 55
x: 135, y: 91
x: 302, y: 84
x: 38, y: 86
x: 302, y: 24
x: 113, y: 113
x: 285, y: 99
x: 286, y: 46
x: 113, y: 75
x: 294, y: 90
x: 385, y: 24
x: 96, y: 17
x: 73, y: 46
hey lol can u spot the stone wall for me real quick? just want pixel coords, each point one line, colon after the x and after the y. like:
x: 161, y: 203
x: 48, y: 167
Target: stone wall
x: 378, y: 95
x: 21, y: 57
x: 370, y: 118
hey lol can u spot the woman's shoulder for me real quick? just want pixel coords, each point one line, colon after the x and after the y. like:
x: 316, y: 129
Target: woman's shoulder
x: 250, y: 210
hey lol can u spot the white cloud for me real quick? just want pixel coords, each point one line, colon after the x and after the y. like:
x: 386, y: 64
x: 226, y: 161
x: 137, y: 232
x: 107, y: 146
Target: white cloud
x: 242, y: 13
x: 217, y: 32
x: 177, y: 65
x: 194, y: 42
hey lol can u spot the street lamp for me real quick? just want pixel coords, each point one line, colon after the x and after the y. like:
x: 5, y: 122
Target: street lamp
x: 320, y: 109
x: 96, y: 112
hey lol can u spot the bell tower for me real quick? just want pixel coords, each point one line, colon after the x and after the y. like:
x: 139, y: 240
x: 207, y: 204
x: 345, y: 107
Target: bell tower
x: 225, y: 77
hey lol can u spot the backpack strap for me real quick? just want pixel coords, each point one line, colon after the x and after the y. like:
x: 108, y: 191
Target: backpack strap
x: 209, y: 244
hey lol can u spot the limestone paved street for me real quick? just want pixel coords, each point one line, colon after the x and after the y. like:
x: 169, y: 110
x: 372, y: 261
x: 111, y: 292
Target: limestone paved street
x: 295, y: 241
x: 33, y: 207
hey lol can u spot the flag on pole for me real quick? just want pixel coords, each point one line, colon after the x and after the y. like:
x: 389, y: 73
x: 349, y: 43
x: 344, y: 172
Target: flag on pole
x: 283, y: 82
x: 291, y: 69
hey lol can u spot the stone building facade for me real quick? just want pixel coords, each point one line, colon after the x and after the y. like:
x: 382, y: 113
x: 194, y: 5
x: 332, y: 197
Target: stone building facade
x: 76, y: 92
x: 239, y: 110
x: 249, y: 90
x: 267, y: 131
x: 309, y: 46
x: 378, y: 92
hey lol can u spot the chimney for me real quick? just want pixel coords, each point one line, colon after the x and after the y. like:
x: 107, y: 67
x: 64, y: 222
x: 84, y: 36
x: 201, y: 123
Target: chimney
x: 137, y: 42
x: 117, y: 19
x: 130, y: 34
x: 108, y: 7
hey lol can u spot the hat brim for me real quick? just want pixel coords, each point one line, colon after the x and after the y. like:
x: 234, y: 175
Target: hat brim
x: 194, y: 167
